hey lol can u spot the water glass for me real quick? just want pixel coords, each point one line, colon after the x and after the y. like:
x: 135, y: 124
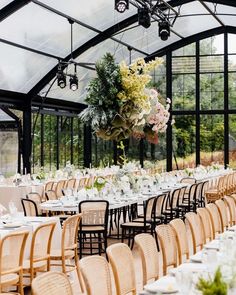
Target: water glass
x: 184, y: 281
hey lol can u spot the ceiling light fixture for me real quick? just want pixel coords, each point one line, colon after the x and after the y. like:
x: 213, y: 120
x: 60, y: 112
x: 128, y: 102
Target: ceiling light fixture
x: 144, y: 17
x: 61, y: 77
x: 121, y: 5
x: 74, y: 81
x: 152, y: 10
x: 164, y: 30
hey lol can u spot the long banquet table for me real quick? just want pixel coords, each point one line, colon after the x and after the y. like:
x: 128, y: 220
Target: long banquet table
x: 13, y: 193
x: 183, y: 279
x: 25, y: 223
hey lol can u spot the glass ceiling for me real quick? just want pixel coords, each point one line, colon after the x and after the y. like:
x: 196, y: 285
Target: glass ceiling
x: 5, y: 117
x: 42, y: 30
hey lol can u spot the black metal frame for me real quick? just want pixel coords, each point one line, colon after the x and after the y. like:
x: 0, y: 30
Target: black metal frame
x: 26, y: 101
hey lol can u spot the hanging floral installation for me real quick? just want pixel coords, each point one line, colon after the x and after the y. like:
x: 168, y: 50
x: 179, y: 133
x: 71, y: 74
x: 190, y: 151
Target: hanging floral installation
x: 119, y: 103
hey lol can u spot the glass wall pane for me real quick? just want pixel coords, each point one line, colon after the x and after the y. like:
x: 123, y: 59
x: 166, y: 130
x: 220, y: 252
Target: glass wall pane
x: 232, y: 90
x: 36, y: 143
x: 64, y: 141
x: 183, y: 65
x: 159, y: 78
x: 212, y: 63
x: 183, y: 92
x: 231, y: 43
x: 155, y: 154
x: 186, y: 50
x: 8, y: 152
x: 78, y: 143
x: 231, y: 62
x: 50, y: 142
x: 102, y: 152
x: 183, y: 141
x: 211, y: 139
x: 211, y: 91
x: 132, y: 150
x: 232, y: 140
x: 212, y: 45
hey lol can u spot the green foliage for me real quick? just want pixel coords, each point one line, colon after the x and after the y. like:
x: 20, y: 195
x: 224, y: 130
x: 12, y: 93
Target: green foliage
x: 102, y: 94
x: 215, y: 286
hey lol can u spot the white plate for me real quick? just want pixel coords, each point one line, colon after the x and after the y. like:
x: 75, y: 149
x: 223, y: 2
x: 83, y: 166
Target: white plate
x: 162, y: 289
x: 215, y: 245
x: 192, y: 267
x: 197, y: 258
x: 165, y: 285
x: 12, y: 225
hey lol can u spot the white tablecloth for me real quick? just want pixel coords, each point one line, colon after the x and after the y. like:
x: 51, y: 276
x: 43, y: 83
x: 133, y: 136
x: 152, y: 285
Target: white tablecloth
x: 30, y: 224
x: 15, y: 193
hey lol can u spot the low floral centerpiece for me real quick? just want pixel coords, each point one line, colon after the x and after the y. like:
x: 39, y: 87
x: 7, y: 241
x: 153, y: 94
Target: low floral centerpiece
x: 120, y: 104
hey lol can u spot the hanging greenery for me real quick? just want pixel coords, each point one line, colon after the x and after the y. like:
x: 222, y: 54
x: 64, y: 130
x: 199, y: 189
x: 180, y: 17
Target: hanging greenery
x: 119, y: 101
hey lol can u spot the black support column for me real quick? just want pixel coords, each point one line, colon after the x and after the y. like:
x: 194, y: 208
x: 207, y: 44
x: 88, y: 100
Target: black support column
x: 26, y: 139
x: 226, y: 102
x: 169, y: 147
x: 87, y: 146
x: 197, y: 148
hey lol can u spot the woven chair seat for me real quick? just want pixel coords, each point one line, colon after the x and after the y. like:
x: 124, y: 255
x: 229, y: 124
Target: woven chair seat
x: 39, y: 265
x: 141, y: 219
x: 135, y: 224
x: 56, y: 254
x: 11, y: 278
x: 213, y: 191
x: 92, y: 228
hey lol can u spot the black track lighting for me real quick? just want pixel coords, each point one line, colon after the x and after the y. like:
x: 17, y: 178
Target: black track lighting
x: 144, y: 17
x: 121, y: 5
x: 61, y: 78
x: 164, y: 30
x: 73, y: 83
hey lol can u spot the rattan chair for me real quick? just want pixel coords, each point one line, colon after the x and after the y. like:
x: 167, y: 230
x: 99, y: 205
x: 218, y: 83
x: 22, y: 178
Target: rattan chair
x: 11, y: 259
x: 193, y: 221
x: 68, y: 252
x: 51, y: 283
x: 40, y: 250
x: 189, y: 180
x: 222, y: 207
x: 172, y: 205
x: 93, y: 227
x: 34, y: 196
x: 215, y: 219
x: 50, y: 195
x: 181, y: 238
x: 167, y: 243
x: 29, y: 207
x: 149, y: 255
x: 122, y: 264
x: 82, y: 182
x: 70, y: 183
x: 59, y: 188
x: 187, y: 203
x: 99, y: 283
x: 206, y: 224
x: 231, y: 209
x: 138, y: 225
x: 218, y: 192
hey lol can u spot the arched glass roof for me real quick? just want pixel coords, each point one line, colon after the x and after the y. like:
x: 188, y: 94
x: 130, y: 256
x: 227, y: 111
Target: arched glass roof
x: 34, y: 35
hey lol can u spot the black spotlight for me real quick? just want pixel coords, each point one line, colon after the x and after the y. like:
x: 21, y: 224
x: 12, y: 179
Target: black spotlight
x: 73, y: 82
x: 144, y: 17
x: 61, y: 79
x: 164, y: 30
x: 121, y: 5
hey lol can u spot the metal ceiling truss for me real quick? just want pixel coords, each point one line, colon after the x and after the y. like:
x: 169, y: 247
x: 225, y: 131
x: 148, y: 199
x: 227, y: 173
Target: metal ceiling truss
x: 102, y: 36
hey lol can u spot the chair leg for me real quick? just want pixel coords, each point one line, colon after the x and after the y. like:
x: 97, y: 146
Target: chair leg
x: 122, y: 235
